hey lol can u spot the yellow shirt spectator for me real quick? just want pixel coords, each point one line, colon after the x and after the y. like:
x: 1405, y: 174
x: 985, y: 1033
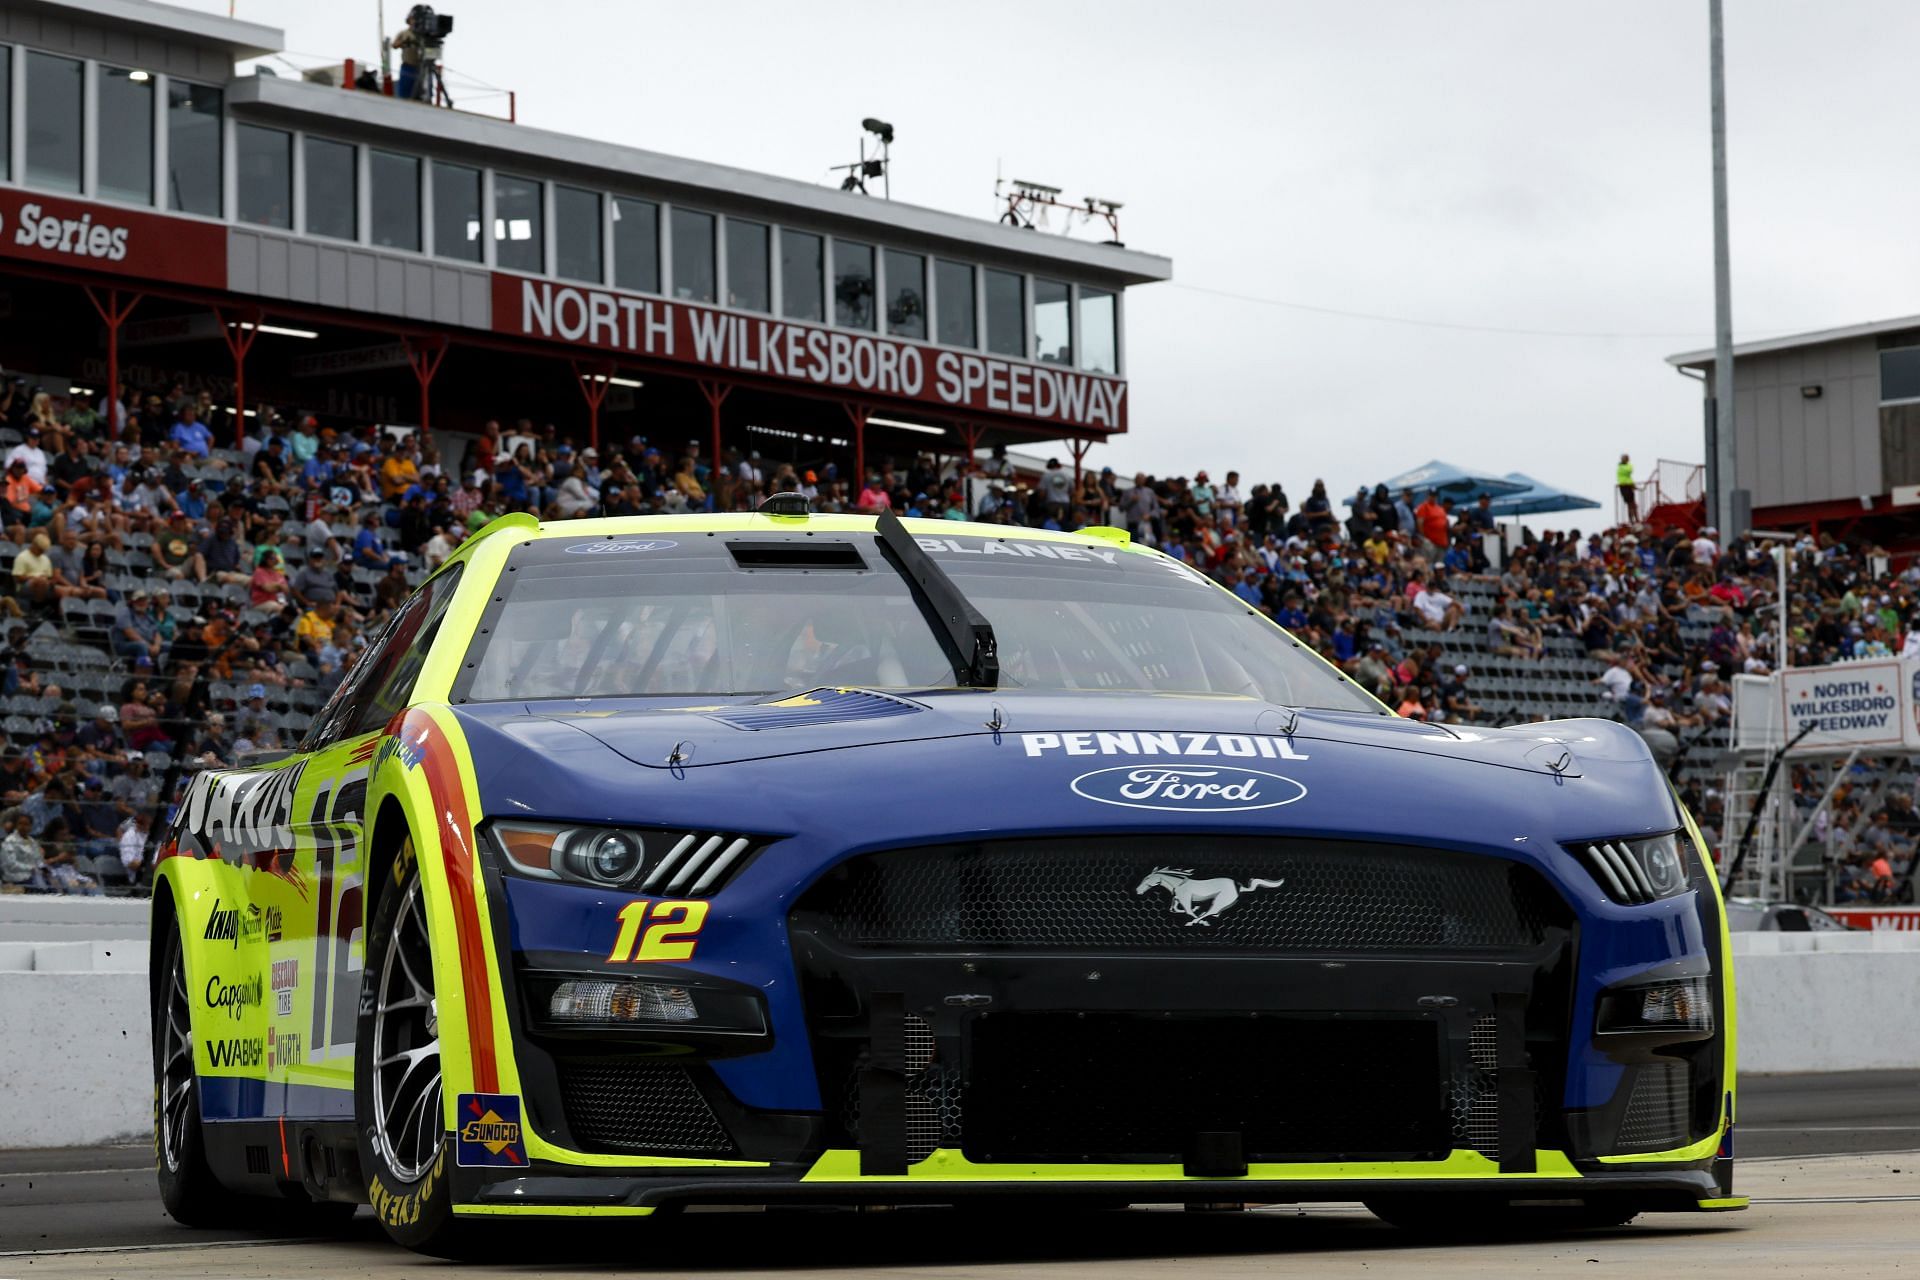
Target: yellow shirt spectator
x: 397, y: 475
x: 312, y: 626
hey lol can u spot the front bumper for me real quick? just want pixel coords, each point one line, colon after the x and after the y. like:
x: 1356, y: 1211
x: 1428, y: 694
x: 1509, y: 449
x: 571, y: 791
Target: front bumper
x: 947, y: 1177
x: 1501, y: 1022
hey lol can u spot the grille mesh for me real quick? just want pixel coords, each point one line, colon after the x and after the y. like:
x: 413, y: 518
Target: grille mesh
x: 1656, y: 1116
x: 1476, y: 1094
x: 631, y: 1104
x: 1095, y: 894
x: 933, y: 1095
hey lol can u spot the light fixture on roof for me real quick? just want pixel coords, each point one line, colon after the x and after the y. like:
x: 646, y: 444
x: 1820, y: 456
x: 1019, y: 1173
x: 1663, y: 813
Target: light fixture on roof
x: 881, y: 168
x: 139, y: 77
x: 616, y: 380
x: 898, y: 425
x: 282, y: 330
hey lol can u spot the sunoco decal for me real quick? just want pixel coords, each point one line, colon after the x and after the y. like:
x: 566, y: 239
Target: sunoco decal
x: 489, y: 1133
x: 621, y: 546
x: 1181, y: 788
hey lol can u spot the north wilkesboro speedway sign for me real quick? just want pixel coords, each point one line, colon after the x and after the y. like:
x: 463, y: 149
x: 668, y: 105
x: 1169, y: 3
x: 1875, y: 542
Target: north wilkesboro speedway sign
x: 1853, y: 704
x: 857, y: 363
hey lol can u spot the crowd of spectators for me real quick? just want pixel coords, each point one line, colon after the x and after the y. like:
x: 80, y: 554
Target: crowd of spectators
x: 264, y: 567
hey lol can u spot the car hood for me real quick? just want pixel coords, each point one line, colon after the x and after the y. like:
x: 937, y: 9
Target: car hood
x: 783, y: 759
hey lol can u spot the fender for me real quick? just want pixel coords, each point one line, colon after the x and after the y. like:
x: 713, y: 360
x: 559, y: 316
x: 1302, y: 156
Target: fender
x: 423, y: 765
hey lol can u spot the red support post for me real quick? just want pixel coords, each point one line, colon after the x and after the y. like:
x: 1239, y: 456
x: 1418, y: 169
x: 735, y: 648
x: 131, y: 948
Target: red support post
x: 858, y: 414
x: 113, y: 314
x: 595, y: 379
x: 716, y: 394
x: 239, y: 334
x: 1079, y: 448
x: 424, y: 355
x: 970, y: 433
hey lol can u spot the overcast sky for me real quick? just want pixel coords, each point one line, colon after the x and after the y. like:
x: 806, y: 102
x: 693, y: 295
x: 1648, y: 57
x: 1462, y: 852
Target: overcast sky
x: 1515, y: 165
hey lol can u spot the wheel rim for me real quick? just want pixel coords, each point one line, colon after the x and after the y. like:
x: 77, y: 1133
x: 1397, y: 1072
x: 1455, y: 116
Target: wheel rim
x: 406, y: 1047
x: 176, y: 1065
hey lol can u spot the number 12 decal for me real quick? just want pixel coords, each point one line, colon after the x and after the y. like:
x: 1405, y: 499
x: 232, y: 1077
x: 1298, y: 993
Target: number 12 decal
x: 671, y: 935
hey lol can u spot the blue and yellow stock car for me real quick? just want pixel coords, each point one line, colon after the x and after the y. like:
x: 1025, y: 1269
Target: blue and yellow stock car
x: 786, y: 858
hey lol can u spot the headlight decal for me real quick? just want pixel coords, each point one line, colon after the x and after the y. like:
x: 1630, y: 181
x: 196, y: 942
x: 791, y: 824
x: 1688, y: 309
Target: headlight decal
x: 1638, y: 871
x: 621, y: 858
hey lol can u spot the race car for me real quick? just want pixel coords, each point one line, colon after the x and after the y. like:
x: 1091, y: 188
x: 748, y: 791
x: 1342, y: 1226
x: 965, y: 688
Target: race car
x: 783, y: 857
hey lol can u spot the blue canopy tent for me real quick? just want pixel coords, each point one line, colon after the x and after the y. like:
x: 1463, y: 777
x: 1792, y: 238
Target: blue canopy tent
x: 1537, y: 498
x: 1449, y: 481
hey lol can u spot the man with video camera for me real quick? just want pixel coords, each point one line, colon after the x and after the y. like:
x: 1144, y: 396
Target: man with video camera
x: 419, y: 44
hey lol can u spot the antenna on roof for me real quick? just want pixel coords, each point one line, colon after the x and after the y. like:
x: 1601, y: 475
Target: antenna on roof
x: 1028, y: 202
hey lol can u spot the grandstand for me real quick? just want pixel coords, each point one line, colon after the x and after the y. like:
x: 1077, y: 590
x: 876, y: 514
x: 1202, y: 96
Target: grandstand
x: 270, y: 363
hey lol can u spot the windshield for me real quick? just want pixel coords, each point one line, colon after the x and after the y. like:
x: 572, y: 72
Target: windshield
x: 722, y: 615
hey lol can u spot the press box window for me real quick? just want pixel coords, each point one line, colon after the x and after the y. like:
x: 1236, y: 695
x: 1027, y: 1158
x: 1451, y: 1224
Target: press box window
x: 1052, y: 323
x: 264, y: 158
x: 333, y: 199
x: 395, y: 202
x: 802, y: 276
x: 1099, y: 350
x: 456, y: 212
x: 906, y: 294
x: 1006, y: 313
x: 693, y: 255
x: 955, y: 324
x: 518, y: 229
x: 749, y: 272
x: 576, y: 234
x: 852, y: 285
x: 54, y: 122
x: 193, y: 148
x: 1900, y: 374
x: 636, y: 245
x: 6, y: 109
x: 126, y: 148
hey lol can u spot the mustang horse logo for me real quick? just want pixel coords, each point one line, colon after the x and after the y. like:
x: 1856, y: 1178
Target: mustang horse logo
x: 1200, y: 900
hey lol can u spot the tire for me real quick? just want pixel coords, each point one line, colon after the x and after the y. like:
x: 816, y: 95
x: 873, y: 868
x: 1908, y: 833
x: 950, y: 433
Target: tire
x: 192, y: 1196
x: 398, y: 1103
x: 1442, y: 1216
x: 189, y: 1191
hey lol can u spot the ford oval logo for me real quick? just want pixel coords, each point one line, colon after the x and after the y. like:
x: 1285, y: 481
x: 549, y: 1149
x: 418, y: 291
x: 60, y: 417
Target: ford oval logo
x: 1188, y: 788
x: 620, y: 547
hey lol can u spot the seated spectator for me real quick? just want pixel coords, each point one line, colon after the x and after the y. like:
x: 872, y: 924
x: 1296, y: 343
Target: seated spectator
x: 267, y: 588
x: 1440, y: 611
x: 136, y: 632
x: 369, y: 552
x: 134, y: 834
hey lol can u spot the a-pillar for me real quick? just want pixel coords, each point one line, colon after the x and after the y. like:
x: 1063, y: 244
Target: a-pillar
x: 114, y: 308
x: 239, y: 333
x: 716, y: 394
x: 424, y: 355
x: 594, y: 380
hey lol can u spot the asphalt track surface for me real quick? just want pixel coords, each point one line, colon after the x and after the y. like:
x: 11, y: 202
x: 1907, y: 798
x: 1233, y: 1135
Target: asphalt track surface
x: 1832, y: 1162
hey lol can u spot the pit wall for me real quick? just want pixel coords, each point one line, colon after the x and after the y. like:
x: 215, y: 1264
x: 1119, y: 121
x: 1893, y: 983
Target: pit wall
x: 75, y: 1044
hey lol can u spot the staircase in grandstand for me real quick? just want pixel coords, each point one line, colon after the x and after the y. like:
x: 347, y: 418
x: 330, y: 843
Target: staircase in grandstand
x: 1673, y: 496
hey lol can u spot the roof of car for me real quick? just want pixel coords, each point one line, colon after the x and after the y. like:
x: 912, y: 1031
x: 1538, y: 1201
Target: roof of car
x: 755, y: 522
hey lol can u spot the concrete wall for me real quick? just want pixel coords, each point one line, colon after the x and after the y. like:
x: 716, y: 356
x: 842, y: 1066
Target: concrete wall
x: 76, y: 1056
x: 75, y: 1047
x: 1828, y: 1001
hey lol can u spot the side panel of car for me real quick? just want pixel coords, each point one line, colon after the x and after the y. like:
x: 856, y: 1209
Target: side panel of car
x: 265, y: 870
